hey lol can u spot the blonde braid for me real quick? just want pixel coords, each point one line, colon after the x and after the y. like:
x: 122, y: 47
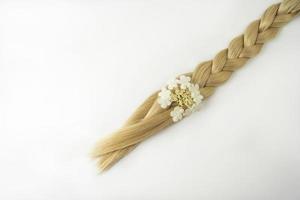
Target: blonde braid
x: 150, y: 118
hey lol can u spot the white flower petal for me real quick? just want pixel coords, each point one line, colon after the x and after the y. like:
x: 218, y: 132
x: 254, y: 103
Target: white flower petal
x: 195, y: 94
x: 165, y: 93
x: 178, y: 109
x: 197, y: 97
x: 176, y: 114
x: 184, y: 78
x: 184, y: 81
x: 164, y: 103
x: 172, y: 84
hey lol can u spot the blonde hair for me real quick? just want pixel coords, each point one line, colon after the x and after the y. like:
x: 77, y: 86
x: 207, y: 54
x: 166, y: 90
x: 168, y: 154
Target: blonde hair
x: 149, y: 118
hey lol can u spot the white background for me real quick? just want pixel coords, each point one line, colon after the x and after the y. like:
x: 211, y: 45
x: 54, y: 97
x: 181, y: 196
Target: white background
x: 71, y: 72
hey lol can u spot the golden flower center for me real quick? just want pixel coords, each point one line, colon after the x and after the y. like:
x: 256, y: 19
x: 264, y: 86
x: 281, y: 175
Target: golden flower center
x: 182, y: 97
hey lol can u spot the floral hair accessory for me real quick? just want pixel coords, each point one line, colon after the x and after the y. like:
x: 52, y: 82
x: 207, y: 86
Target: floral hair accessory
x: 181, y: 94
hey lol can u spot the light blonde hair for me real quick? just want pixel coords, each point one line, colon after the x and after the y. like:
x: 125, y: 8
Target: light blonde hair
x: 149, y: 118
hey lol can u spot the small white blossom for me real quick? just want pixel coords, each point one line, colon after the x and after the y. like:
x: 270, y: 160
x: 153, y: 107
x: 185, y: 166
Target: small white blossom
x: 184, y: 81
x: 198, y: 98
x: 194, y: 89
x: 195, y: 93
x: 164, y: 98
x: 172, y: 84
x: 165, y: 93
x: 164, y: 103
x: 176, y: 114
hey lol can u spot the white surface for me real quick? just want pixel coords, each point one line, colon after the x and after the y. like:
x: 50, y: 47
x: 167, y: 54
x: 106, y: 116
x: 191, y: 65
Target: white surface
x: 73, y: 71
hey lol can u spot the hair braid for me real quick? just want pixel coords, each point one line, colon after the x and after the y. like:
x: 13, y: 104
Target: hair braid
x: 150, y: 118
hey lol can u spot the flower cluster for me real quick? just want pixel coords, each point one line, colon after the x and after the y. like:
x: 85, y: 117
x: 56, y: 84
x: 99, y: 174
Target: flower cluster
x: 181, y: 93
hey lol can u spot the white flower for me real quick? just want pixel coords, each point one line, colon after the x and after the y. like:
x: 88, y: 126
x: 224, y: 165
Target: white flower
x: 164, y: 103
x: 165, y: 93
x: 172, y: 84
x: 194, y: 89
x: 198, y: 98
x: 164, y: 98
x: 176, y: 114
x: 195, y: 93
x: 184, y: 81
